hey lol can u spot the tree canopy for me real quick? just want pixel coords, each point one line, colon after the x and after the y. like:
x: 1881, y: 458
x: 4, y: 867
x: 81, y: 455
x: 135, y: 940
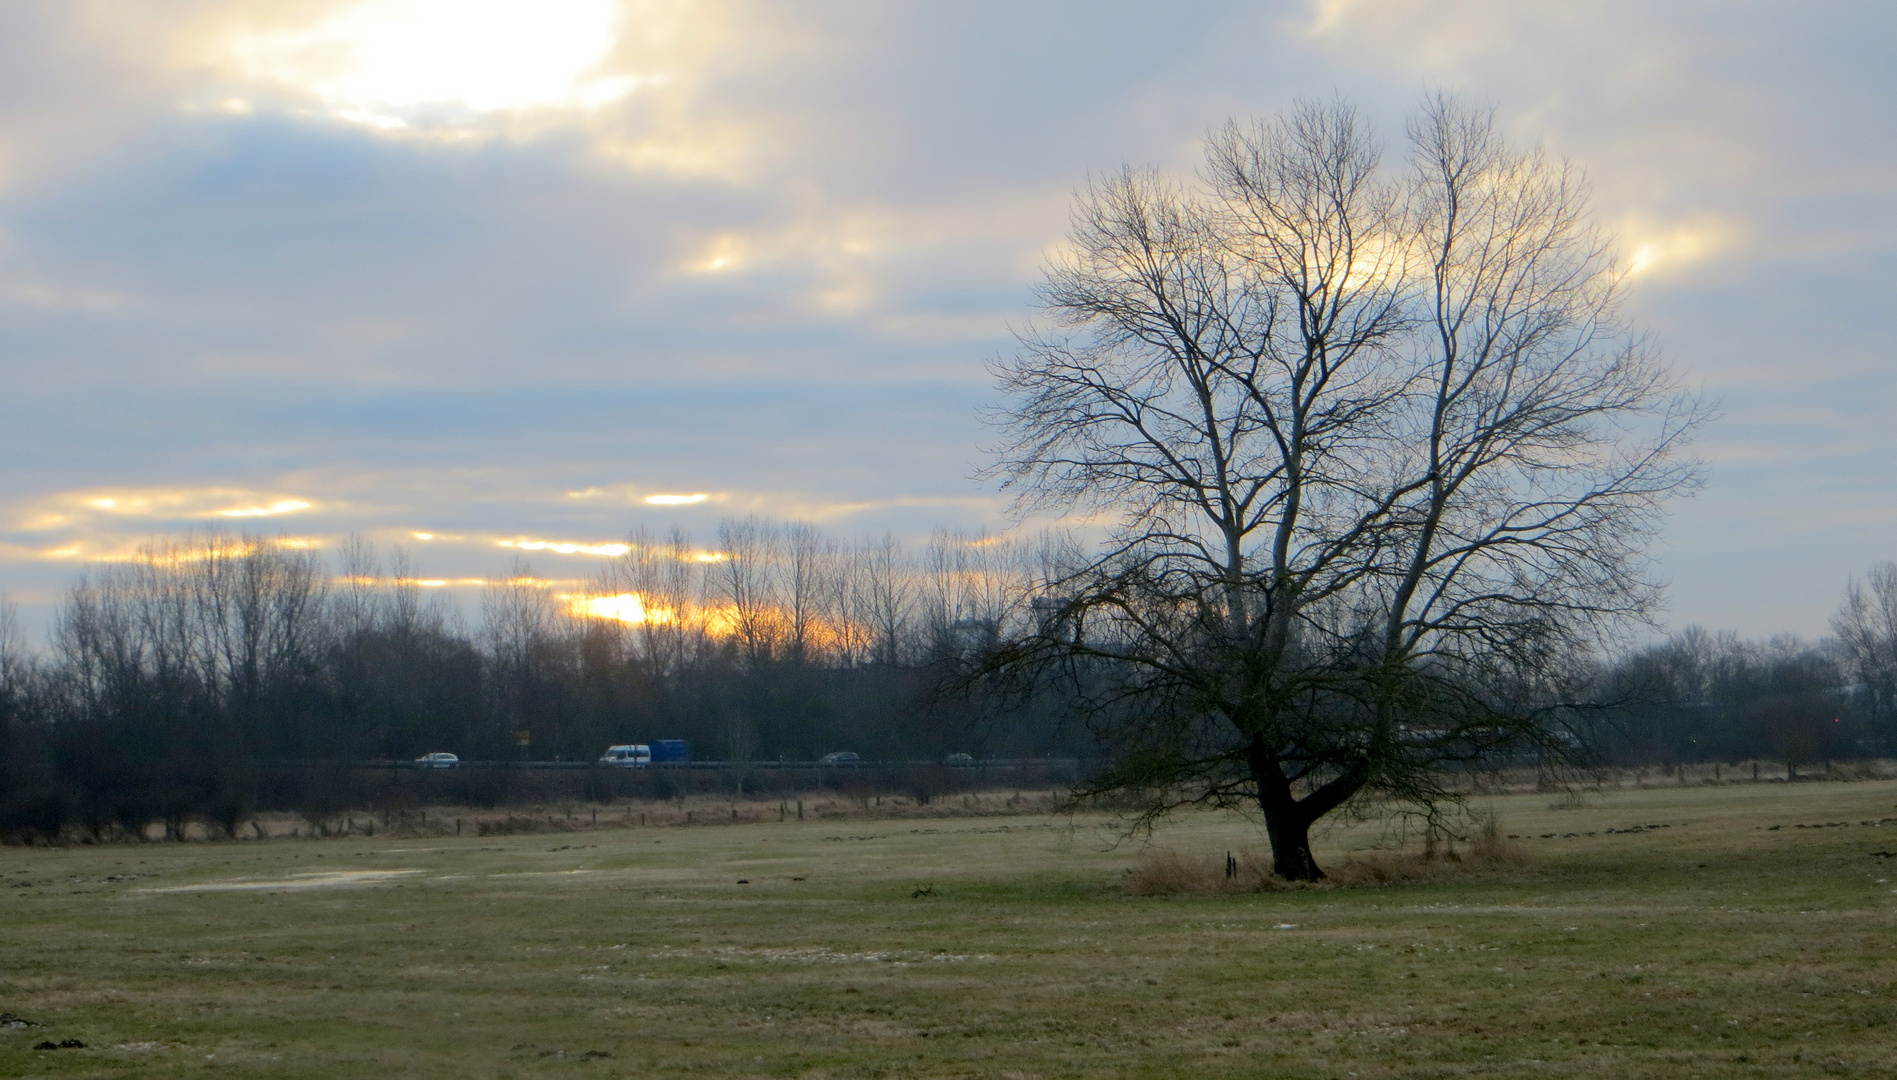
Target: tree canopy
x: 1379, y: 454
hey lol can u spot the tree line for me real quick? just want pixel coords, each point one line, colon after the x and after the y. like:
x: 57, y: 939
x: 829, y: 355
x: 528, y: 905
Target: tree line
x: 176, y: 681
x: 1703, y: 696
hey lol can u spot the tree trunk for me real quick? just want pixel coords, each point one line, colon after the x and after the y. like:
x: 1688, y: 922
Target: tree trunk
x: 1291, y: 845
x: 1288, y: 819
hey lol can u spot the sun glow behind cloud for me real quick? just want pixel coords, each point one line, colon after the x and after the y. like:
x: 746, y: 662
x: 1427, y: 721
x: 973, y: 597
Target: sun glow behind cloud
x: 628, y: 608
x: 394, y: 64
x: 1656, y: 250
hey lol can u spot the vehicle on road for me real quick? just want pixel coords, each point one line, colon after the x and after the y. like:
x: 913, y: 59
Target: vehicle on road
x: 627, y: 756
x: 959, y: 760
x: 841, y: 757
x: 438, y: 761
x: 671, y: 752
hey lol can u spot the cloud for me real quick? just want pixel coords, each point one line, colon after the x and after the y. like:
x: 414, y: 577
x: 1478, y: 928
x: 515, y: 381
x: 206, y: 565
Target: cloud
x: 335, y: 251
x: 386, y: 64
x: 566, y: 547
x: 154, y: 505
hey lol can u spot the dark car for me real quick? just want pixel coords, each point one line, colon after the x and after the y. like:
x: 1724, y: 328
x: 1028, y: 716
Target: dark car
x: 841, y: 757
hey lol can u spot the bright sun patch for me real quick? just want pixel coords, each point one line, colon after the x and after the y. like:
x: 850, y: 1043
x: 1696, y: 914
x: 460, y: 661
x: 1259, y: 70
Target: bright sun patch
x: 393, y: 64
x: 629, y: 608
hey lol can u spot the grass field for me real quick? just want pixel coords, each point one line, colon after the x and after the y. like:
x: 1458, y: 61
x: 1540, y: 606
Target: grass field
x: 999, y: 946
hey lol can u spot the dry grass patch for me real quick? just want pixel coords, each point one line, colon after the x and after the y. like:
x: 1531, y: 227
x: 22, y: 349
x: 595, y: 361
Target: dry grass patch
x: 1166, y: 872
x: 1655, y: 934
x: 1487, y: 852
x: 1169, y: 872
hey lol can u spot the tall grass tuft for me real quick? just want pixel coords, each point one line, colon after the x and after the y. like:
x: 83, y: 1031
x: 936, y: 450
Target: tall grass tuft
x: 1165, y: 872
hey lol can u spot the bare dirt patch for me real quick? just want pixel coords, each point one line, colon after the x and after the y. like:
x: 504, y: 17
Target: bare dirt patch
x: 317, y: 879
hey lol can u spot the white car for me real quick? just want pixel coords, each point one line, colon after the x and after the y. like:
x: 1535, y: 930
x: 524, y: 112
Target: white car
x: 438, y: 761
x: 629, y: 756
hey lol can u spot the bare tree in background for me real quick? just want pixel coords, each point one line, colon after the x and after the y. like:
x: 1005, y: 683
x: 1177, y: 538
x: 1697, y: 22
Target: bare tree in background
x: 1866, y: 626
x: 973, y: 584
x: 845, y: 608
x: 14, y: 664
x: 668, y: 582
x: 809, y: 558
x: 521, y: 626
x: 884, y: 598
x: 746, y: 579
x: 13, y: 675
x: 1382, y: 456
x: 12, y: 644
x: 359, y: 589
x: 224, y: 616
x: 403, y: 612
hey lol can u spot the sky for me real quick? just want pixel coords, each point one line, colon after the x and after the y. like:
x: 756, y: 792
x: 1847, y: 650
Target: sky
x: 481, y: 278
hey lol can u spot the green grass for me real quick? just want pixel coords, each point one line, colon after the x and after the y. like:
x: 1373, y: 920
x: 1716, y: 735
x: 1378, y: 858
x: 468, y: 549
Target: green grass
x: 1714, y: 947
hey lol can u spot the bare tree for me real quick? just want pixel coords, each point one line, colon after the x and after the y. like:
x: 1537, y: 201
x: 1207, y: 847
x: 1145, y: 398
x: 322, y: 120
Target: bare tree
x: 973, y: 585
x: 746, y: 579
x: 883, y: 597
x: 14, y: 673
x: 1866, y: 626
x: 357, y: 598
x: 521, y: 626
x: 845, y: 608
x: 809, y: 556
x: 13, y: 657
x: 667, y: 582
x: 1381, y: 456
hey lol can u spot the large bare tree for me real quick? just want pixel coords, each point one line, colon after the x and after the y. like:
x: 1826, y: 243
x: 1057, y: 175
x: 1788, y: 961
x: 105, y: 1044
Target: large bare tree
x: 1380, y: 454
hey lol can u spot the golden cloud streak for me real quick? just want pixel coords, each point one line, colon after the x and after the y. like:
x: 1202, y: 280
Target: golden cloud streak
x: 452, y: 583
x: 281, y: 506
x: 566, y: 547
x: 70, y: 508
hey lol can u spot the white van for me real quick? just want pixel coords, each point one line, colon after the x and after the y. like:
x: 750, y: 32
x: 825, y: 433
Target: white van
x: 630, y: 756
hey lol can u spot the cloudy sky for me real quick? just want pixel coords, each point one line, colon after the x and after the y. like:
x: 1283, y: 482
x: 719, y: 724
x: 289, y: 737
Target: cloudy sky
x: 501, y: 271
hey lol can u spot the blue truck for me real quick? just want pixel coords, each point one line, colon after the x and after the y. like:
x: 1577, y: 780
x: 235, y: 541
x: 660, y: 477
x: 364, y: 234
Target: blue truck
x: 670, y: 752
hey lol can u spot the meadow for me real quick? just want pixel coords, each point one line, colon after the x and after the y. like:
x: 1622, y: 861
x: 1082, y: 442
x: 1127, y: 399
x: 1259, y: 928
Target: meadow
x: 1704, y: 930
